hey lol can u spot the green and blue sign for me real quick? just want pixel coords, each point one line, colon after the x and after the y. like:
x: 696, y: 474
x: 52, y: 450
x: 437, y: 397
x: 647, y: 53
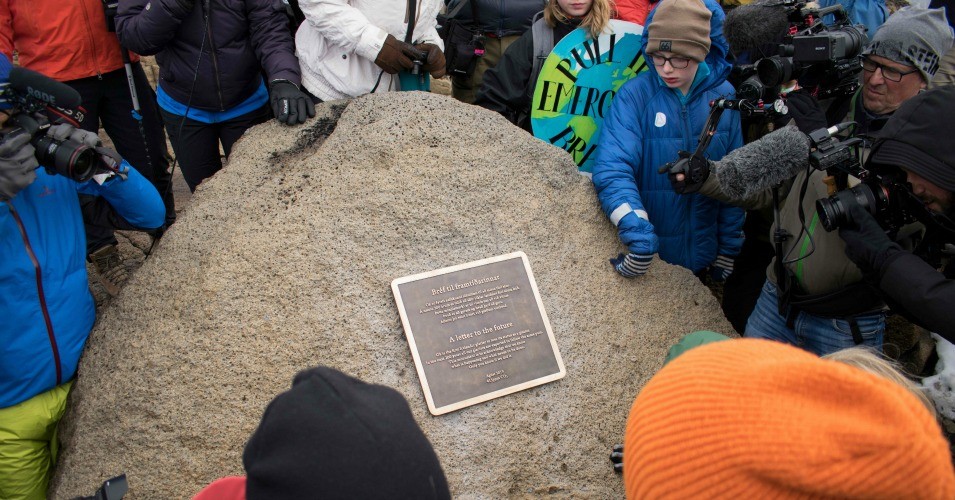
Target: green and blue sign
x: 577, y: 83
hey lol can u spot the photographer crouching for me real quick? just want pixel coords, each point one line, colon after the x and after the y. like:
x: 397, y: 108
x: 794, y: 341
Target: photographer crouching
x: 47, y: 307
x: 914, y: 141
x: 827, y: 290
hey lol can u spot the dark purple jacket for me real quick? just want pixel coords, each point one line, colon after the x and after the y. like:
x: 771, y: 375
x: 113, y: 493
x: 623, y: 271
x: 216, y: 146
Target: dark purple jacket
x: 239, y: 39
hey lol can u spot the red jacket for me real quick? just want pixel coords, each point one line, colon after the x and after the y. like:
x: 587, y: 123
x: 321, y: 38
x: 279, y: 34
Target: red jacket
x: 65, y: 40
x: 226, y: 488
x: 635, y: 11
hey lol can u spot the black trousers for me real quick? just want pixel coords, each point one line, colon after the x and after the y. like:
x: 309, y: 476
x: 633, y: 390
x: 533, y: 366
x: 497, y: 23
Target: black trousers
x: 743, y: 287
x: 107, y: 101
x: 197, y: 144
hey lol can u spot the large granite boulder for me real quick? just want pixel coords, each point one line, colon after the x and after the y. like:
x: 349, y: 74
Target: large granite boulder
x: 284, y: 260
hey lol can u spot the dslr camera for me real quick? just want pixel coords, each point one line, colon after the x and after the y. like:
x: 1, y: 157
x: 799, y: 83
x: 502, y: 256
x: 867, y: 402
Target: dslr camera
x: 821, y: 56
x: 883, y: 191
x: 65, y: 157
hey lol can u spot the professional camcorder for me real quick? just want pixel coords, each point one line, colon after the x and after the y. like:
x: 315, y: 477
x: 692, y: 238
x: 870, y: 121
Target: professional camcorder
x: 822, y: 57
x: 34, y: 96
x: 883, y: 191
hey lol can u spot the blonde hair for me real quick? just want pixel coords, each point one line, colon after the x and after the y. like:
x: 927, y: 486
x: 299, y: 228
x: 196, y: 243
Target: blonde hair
x: 594, y: 22
x: 877, y: 364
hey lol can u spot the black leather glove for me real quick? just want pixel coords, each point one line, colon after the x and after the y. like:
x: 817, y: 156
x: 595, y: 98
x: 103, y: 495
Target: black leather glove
x: 396, y: 56
x: 434, y: 60
x: 687, y: 174
x: 867, y: 245
x: 290, y: 105
x: 804, y: 109
x: 17, y: 165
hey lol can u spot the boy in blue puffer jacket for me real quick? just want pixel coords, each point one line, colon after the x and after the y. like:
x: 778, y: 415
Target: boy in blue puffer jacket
x: 653, y: 117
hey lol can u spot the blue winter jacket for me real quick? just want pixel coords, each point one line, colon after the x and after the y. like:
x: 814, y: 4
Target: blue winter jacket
x: 648, y: 124
x: 46, y: 305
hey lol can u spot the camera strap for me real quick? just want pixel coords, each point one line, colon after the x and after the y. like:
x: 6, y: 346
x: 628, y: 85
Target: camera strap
x: 457, y: 8
x: 412, y: 20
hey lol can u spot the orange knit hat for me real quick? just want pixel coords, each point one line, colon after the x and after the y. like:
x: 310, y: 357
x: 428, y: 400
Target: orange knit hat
x: 752, y: 418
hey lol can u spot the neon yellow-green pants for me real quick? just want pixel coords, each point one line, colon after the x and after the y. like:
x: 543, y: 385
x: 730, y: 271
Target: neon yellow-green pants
x: 28, y: 444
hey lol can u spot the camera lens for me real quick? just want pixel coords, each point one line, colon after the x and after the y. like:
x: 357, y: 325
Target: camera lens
x: 847, y: 41
x: 751, y: 89
x: 775, y: 70
x: 833, y: 211
x: 68, y: 158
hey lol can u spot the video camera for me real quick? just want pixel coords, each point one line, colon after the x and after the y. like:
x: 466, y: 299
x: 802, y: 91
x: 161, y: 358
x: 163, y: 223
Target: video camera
x: 883, y: 191
x: 34, y: 96
x: 822, y: 57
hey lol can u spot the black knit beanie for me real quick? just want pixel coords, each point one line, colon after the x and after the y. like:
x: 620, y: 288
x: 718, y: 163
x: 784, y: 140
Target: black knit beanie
x: 334, y: 436
x: 916, y: 137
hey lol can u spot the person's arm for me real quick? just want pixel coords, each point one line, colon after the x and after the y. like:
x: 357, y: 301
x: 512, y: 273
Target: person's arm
x: 729, y: 235
x: 134, y: 202
x: 272, y: 41
x: 759, y: 201
x: 927, y: 296
x: 345, y: 26
x: 504, y: 88
x: 148, y: 31
x: 428, y: 27
x: 922, y: 293
x: 618, y: 156
x: 712, y: 188
x: 133, y: 199
x: 729, y: 220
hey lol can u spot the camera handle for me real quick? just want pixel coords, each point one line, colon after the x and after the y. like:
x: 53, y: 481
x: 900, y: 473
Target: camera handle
x: 694, y: 166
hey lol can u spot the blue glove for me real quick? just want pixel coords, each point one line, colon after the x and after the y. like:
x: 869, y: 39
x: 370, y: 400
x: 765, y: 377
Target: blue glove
x: 631, y: 265
x: 721, y: 268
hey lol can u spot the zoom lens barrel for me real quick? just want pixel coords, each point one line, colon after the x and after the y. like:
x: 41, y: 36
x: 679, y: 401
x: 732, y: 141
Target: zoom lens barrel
x: 69, y: 158
x: 834, y: 210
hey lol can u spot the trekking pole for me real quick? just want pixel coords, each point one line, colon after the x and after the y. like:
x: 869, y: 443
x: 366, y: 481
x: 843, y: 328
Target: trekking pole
x: 109, y: 9
x: 137, y: 111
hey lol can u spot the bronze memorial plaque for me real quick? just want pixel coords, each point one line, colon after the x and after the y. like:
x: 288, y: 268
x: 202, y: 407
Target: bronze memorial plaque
x: 477, y: 331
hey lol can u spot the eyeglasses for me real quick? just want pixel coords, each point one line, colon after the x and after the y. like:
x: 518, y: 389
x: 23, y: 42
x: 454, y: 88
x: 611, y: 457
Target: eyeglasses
x: 675, y: 62
x: 888, y: 73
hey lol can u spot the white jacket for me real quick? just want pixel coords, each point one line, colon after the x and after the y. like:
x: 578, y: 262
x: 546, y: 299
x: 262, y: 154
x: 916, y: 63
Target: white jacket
x: 340, y: 39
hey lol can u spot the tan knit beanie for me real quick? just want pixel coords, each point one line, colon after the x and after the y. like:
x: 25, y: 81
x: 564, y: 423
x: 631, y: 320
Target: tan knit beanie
x: 681, y: 27
x: 751, y: 418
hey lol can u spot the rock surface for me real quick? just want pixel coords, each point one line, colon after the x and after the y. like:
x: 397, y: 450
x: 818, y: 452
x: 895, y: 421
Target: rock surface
x: 284, y: 261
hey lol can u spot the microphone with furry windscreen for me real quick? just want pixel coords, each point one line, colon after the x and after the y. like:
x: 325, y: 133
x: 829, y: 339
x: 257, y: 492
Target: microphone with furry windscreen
x: 748, y: 170
x: 752, y: 26
x: 763, y: 164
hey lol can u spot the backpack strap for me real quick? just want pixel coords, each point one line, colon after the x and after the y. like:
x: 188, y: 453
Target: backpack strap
x: 543, y: 36
x: 451, y: 14
x: 542, y: 45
